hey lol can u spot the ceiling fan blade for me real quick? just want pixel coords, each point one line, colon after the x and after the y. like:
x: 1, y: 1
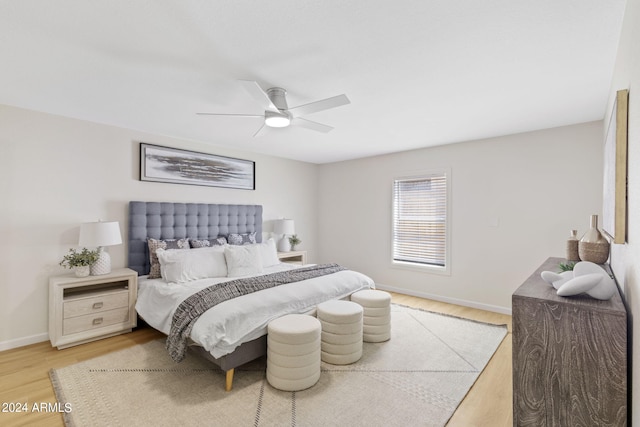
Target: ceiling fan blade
x: 254, y: 89
x: 261, y: 131
x: 319, y: 127
x: 314, y: 107
x: 233, y: 115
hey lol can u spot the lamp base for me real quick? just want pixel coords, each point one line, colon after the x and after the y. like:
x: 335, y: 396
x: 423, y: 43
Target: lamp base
x: 102, y: 265
x: 284, y: 245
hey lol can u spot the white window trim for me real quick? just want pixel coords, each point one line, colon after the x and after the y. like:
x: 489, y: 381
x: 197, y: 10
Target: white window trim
x: 435, y: 269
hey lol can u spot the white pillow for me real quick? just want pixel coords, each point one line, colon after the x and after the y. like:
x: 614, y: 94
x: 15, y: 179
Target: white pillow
x: 243, y: 260
x: 268, y: 253
x: 181, y: 266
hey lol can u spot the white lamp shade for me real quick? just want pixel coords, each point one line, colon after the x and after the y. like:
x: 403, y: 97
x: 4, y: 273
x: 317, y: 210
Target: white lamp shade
x: 284, y: 226
x: 96, y: 234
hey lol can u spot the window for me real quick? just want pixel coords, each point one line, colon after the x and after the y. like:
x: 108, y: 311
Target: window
x: 420, y: 226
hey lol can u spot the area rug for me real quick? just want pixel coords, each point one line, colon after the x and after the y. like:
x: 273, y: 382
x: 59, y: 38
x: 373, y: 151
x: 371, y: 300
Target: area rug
x: 419, y: 377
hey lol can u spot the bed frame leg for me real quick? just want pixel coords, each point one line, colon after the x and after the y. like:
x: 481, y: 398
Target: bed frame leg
x: 229, y: 380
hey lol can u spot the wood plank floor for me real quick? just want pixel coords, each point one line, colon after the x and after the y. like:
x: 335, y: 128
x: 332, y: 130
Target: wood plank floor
x: 24, y: 372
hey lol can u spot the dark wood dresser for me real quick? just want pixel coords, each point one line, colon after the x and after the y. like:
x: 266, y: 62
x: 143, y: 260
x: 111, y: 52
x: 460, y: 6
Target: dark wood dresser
x: 569, y: 357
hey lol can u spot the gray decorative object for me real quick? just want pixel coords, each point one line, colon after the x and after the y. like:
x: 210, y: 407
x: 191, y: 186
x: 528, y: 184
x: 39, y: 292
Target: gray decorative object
x: 165, y: 164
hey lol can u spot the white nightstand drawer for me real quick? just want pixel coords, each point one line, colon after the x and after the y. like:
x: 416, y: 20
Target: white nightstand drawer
x: 94, y: 321
x: 95, y: 304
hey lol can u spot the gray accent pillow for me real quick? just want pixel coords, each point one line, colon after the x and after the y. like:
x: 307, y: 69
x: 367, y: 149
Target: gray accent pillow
x: 205, y: 243
x: 154, y: 245
x: 242, y: 239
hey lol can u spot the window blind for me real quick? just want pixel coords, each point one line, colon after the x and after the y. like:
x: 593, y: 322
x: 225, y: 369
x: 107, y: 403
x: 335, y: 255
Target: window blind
x: 420, y: 220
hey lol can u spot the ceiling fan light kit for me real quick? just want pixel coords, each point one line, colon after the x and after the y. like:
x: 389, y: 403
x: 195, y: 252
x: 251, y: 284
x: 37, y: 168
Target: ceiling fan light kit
x: 276, y: 120
x: 277, y: 113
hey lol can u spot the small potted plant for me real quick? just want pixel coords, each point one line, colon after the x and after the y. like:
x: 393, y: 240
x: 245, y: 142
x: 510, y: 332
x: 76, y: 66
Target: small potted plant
x: 81, y: 261
x: 566, y: 266
x: 293, y: 239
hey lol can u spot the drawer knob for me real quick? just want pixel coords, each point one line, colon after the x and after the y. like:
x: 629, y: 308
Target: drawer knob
x: 98, y: 305
x: 97, y: 321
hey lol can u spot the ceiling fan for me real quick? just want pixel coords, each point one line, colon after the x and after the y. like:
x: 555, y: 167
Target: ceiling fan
x: 277, y: 114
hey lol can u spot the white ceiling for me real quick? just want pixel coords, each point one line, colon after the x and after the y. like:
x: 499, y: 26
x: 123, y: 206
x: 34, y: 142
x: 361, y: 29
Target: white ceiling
x: 418, y: 73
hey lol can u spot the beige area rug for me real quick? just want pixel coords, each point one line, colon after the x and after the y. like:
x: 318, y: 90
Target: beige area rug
x: 419, y: 377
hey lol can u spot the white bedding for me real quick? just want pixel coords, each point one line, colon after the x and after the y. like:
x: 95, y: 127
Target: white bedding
x: 227, y: 325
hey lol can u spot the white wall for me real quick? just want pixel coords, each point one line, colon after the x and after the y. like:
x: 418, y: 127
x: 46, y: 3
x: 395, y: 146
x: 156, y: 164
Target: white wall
x: 56, y: 173
x: 537, y: 186
x: 625, y: 259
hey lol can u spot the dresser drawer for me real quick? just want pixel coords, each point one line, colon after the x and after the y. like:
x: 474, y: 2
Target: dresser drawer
x: 84, y: 309
x: 95, y: 304
x: 95, y: 320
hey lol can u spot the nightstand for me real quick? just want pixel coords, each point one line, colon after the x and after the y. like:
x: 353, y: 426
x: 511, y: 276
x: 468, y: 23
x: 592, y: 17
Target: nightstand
x: 83, y: 309
x: 293, y: 257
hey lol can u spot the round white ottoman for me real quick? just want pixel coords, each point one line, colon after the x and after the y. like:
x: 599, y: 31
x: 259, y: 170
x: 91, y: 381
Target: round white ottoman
x: 341, y: 341
x: 377, y: 314
x: 293, y: 352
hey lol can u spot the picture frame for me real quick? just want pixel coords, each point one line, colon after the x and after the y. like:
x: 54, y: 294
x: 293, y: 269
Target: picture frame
x: 177, y: 166
x: 614, y: 210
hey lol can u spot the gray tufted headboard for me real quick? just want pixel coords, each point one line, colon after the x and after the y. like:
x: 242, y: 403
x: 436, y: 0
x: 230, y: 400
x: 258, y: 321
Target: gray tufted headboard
x: 179, y: 220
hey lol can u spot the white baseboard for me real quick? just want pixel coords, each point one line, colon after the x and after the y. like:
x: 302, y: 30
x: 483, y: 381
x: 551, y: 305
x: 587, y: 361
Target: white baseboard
x: 21, y: 342
x: 465, y: 303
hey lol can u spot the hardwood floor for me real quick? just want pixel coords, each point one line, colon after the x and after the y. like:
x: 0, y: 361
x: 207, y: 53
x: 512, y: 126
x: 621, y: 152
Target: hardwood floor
x: 24, y: 372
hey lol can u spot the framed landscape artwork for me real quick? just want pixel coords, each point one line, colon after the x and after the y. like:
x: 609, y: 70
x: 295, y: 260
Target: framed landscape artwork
x: 165, y: 164
x: 614, y: 211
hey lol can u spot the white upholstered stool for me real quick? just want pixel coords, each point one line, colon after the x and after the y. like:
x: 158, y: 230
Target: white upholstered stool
x: 293, y: 352
x: 377, y: 314
x: 341, y: 341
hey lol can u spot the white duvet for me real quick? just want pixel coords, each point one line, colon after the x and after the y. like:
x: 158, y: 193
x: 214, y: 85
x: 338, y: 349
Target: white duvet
x: 227, y: 325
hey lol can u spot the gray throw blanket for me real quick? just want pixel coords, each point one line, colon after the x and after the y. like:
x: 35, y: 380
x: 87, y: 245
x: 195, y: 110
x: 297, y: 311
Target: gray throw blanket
x: 194, y: 306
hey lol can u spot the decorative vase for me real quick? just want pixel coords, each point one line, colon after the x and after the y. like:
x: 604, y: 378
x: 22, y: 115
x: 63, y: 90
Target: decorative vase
x: 572, y: 246
x: 593, y: 246
x: 82, y: 270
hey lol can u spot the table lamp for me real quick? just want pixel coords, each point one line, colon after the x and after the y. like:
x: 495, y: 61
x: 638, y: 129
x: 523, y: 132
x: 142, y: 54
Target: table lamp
x: 98, y: 235
x: 285, y: 227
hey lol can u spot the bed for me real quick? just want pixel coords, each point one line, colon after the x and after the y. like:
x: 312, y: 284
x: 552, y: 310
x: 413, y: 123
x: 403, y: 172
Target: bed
x: 232, y: 332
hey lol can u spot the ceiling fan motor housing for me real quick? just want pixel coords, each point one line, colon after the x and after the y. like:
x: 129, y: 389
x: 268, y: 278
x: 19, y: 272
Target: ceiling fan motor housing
x: 277, y: 95
x: 280, y: 119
